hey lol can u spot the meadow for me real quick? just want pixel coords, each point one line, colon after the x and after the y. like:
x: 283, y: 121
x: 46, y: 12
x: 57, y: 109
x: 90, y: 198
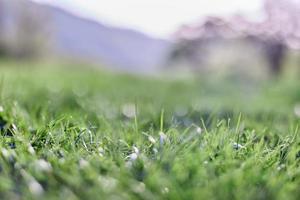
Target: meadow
x: 74, y: 132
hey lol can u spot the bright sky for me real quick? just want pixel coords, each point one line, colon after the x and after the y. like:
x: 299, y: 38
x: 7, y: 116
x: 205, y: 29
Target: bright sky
x: 156, y: 17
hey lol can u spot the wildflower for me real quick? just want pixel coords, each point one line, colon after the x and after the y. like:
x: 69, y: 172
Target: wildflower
x: 165, y: 190
x: 31, y: 149
x: 297, y: 110
x: 43, y: 165
x: 237, y: 146
x: 162, y: 138
x: 33, y: 185
x: 151, y: 139
x: 14, y: 128
x: 9, y: 155
x: 5, y: 152
x: 101, y: 151
x: 136, y: 150
x: 155, y: 151
x: 35, y: 188
x: 133, y: 156
x: 281, y: 167
x: 198, y: 130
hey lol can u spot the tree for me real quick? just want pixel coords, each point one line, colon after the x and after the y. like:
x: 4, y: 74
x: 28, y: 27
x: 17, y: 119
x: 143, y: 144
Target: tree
x: 25, y: 36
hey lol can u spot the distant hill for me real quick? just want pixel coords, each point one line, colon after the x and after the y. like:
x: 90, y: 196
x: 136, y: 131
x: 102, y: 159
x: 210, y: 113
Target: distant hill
x: 75, y: 37
x: 126, y: 49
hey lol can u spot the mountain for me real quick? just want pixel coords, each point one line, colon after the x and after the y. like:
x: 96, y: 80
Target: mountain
x: 80, y: 38
x: 123, y: 48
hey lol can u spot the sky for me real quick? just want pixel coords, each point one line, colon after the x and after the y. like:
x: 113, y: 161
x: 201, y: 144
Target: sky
x: 158, y: 18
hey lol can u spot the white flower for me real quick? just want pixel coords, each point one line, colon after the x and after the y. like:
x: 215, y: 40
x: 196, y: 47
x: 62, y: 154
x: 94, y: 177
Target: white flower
x: 162, y: 138
x: 14, y: 127
x: 133, y: 156
x: 31, y: 149
x: 35, y: 188
x: 136, y: 150
x: 5, y: 152
x: 101, y: 151
x: 43, y: 165
x: 155, y: 151
x: 297, y: 110
x: 237, y: 146
x: 151, y: 139
x: 198, y: 130
x: 280, y: 167
x: 83, y: 163
x: 165, y: 190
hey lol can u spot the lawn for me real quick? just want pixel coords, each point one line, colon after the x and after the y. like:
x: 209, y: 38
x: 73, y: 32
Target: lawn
x: 79, y: 133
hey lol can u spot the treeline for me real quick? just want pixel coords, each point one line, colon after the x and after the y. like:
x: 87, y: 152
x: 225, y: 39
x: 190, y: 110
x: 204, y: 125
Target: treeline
x: 237, y: 42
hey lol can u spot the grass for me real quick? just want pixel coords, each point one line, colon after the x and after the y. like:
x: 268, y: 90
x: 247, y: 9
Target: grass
x: 73, y: 133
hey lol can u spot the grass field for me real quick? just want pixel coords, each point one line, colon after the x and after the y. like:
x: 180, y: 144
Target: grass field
x: 70, y: 133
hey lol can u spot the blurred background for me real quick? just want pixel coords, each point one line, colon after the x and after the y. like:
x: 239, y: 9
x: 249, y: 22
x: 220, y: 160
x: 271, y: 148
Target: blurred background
x: 257, y: 39
x: 121, y: 59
